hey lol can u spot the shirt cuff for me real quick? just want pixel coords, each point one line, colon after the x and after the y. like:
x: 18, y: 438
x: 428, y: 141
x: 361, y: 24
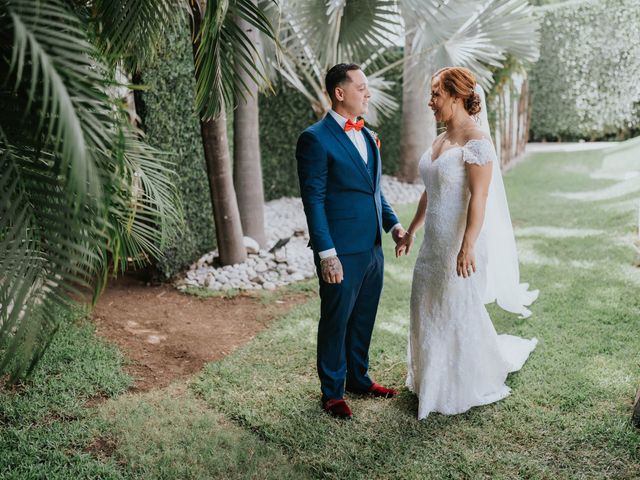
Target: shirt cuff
x: 328, y: 253
x: 397, y: 225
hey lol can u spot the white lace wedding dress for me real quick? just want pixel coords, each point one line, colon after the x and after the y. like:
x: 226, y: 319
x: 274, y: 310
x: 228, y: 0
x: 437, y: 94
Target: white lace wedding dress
x: 456, y: 360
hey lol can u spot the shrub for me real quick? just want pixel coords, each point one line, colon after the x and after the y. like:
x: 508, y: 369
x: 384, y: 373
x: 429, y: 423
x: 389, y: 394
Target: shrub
x: 171, y: 124
x: 585, y: 84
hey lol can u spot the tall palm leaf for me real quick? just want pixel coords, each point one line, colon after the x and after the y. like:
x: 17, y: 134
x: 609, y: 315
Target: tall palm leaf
x: 316, y: 35
x: 67, y: 155
x: 477, y: 35
x: 52, y: 68
x: 129, y: 31
x: 223, y: 49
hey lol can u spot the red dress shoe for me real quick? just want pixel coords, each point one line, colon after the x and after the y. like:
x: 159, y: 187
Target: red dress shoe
x: 338, y: 408
x: 376, y: 390
x: 380, y: 391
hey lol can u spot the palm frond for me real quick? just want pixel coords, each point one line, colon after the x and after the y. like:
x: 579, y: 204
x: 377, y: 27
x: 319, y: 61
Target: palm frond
x: 313, y: 36
x: 344, y: 30
x: 145, y: 213
x: 381, y: 102
x: 69, y: 158
x: 471, y: 34
x: 129, y: 31
x: 47, y: 236
x: 52, y: 65
x: 222, y: 48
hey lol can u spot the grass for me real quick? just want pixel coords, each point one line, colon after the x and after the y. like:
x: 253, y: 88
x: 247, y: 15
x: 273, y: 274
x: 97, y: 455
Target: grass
x: 569, y: 413
x: 256, y: 413
x: 47, y: 424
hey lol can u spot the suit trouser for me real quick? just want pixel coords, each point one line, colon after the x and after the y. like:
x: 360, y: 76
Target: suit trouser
x: 347, y: 314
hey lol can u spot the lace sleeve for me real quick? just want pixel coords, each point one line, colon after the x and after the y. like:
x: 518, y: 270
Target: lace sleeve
x: 479, y: 152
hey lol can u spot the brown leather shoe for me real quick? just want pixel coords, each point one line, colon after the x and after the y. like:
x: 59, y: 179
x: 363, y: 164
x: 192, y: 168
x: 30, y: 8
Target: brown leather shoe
x: 338, y: 408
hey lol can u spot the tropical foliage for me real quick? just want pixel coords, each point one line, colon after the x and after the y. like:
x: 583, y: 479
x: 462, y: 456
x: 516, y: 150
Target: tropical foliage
x: 476, y: 35
x: 313, y: 36
x: 81, y: 194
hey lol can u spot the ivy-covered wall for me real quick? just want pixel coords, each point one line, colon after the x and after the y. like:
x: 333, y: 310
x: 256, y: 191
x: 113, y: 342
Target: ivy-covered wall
x: 585, y: 85
x: 171, y: 124
x: 283, y: 117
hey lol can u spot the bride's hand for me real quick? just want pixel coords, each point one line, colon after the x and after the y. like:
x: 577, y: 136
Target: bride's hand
x: 404, y: 244
x: 466, y: 262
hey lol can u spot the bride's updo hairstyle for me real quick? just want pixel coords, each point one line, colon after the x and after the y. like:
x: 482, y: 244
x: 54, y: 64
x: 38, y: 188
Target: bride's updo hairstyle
x: 460, y: 82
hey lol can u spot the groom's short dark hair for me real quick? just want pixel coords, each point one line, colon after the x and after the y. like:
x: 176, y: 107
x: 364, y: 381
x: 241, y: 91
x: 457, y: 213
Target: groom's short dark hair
x: 337, y: 75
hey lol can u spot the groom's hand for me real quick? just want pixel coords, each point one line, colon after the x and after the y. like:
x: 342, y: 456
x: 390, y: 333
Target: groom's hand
x: 331, y: 270
x: 398, y: 234
x: 404, y: 245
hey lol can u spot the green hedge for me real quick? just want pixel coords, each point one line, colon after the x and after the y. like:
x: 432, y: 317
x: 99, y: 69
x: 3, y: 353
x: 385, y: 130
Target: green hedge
x: 283, y: 117
x: 585, y: 84
x: 171, y: 124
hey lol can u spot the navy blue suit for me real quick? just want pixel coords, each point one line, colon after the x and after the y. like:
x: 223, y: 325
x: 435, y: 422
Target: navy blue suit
x: 345, y: 210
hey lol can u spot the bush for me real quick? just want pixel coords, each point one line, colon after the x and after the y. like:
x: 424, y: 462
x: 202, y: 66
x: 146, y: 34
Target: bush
x: 585, y: 84
x: 283, y: 117
x: 171, y: 124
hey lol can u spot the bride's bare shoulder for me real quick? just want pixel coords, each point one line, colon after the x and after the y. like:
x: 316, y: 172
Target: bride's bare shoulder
x: 475, y: 134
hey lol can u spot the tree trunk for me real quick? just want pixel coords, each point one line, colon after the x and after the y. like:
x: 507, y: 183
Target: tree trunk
x: 418, y: 123
x: 218, y: 160
x: 247, y: 167
x: 223, y: 196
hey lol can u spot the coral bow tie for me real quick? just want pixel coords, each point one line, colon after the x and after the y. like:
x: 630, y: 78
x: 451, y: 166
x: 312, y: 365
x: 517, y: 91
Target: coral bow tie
x: 357, y: 125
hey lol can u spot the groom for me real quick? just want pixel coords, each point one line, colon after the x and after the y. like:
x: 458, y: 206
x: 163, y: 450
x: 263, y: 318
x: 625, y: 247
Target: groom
x: 339, y: 172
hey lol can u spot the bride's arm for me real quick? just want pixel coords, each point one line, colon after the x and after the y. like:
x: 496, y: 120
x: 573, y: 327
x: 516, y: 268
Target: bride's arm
x: 418, y: 220
x: 419, y: 217
x: 479, y: 179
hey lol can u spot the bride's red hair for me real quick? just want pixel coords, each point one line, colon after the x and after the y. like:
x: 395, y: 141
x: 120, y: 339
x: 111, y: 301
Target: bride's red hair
x: 460, y: 82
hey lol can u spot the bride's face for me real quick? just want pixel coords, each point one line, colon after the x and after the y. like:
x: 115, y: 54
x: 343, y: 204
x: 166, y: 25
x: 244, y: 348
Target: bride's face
x: 441, y: 103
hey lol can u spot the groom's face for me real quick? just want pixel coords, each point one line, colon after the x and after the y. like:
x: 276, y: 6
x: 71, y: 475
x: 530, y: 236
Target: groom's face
x: 353, y: 94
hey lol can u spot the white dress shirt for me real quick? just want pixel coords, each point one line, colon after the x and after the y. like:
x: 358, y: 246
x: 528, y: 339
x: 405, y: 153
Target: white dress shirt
x: 357, y: 137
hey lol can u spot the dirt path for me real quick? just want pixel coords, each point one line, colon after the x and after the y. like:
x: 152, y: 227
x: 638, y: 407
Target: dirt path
x: 168, y: 335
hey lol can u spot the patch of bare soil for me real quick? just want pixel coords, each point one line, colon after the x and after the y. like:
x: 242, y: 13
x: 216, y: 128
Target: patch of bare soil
x: 101, y: 447
x: 169, y: 335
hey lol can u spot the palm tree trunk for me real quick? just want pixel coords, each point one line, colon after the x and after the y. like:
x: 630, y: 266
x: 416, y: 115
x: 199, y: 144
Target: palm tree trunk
x: 218, y: 160
x: 418, y: 124
x: 247, y: 166
x: 223, y: 196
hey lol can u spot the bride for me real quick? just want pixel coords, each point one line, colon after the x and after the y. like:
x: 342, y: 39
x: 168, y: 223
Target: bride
x: 456, y: 360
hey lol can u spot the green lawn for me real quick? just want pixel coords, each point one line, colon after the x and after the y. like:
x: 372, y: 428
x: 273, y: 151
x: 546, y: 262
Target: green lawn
x: 256, y: 414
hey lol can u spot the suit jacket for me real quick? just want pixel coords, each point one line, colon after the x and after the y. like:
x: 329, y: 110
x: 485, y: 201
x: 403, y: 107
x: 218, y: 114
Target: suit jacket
x: 345, y: 207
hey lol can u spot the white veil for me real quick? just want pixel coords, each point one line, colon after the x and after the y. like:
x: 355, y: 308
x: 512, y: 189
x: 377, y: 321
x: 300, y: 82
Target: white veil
x: 503, y: 272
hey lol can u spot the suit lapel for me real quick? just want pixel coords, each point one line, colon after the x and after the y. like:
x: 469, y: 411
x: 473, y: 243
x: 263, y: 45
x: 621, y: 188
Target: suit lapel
x: 348, y: 145
x: 376, y: 152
